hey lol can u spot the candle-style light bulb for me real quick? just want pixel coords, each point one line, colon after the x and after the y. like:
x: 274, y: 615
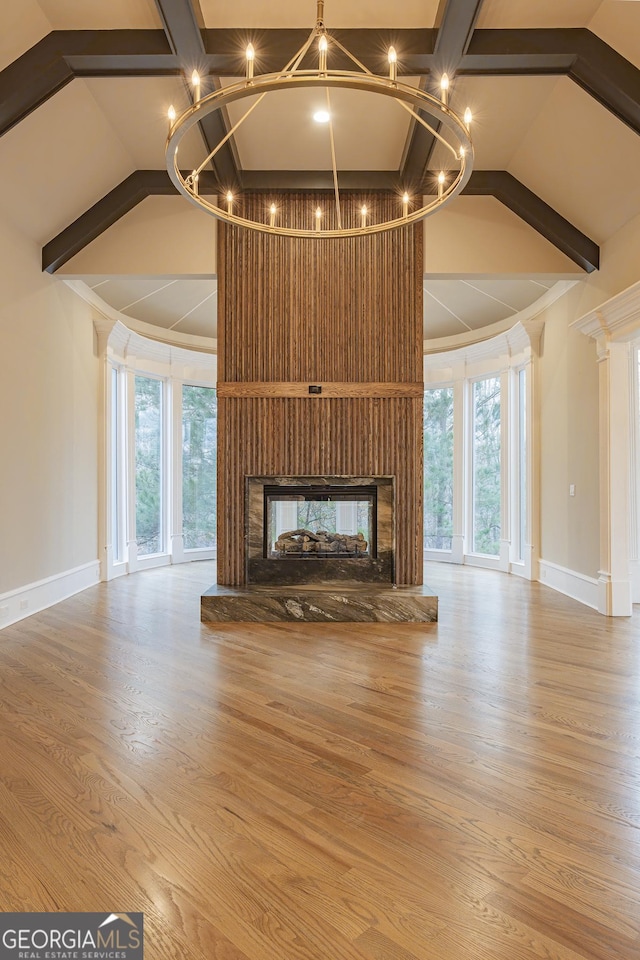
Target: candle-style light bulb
x: 229, y: 201
x: 195, y: 81
x: 251, y: 55
x: 363, y: 214
x: 393, y: 64
x: 318, y: 217
x: 171, y: 116
x: 468, y: 117
x: 405, y: 204
x: 322, y: 53
x: 272, y: 215
x: 444, y: 88
x: 440, y: 183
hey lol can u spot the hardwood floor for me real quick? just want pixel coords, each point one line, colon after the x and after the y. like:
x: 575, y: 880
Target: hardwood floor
x: 467, y: 789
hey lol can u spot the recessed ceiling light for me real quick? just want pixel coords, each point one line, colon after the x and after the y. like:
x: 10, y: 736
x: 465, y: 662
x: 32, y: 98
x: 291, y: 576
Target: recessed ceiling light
x: 321, y: 116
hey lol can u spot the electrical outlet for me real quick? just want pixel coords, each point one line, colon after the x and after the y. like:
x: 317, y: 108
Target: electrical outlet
x: 4, y: 611
x: 24, y: 604
x: 572, y: 489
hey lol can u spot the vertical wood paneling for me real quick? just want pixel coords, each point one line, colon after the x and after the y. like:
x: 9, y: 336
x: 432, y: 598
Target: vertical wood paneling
x: 311, y: 310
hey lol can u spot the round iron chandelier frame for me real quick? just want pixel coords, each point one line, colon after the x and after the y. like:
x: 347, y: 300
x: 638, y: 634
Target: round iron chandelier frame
x: 416, y: 101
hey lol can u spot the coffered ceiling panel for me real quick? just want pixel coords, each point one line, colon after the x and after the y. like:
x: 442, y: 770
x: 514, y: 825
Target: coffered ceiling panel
x: 72, y: 140
x: 514, y: 14
x: 94, y: 15
x: 583, y: 161
x: 136, y: 107
x: 369, y: 130
x: 491, y: 99
x: 346, y: 14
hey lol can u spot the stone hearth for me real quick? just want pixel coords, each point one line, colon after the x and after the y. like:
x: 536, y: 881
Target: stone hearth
x: 356, y: 603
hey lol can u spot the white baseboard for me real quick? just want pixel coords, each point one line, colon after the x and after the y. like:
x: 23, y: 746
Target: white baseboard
x: 570, y: 583
x: 18, y: 604
x: 635, y: 581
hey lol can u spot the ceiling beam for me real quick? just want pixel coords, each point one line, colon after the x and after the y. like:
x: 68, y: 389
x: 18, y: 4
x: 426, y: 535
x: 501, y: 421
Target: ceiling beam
x: 538, y: 214
x: 287, y: 180
x: 455, y: 23
x: 182, y: 21
x: 144, y: 183
x: 577, y: 53
x: 103, y: 214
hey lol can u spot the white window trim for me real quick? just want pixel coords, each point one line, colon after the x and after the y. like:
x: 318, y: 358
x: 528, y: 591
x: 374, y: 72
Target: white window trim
x: 503, y: 356
x: 134, y: 355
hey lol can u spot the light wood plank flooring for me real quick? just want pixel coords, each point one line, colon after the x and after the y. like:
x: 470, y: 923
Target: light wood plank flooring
x: 467, y: 790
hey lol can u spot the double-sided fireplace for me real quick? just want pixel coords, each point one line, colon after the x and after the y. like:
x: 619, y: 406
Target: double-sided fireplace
x: 319, y: 530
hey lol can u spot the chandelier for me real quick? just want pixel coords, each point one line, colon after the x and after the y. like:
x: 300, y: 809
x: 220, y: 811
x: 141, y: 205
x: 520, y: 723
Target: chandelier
x: 432, y: 112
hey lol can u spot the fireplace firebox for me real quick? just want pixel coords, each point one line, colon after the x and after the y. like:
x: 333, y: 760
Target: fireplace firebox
x: 319, y: 529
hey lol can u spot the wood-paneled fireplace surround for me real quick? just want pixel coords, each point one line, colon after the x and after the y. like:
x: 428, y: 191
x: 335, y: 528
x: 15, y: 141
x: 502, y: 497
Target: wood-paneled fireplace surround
x: 320, y: 373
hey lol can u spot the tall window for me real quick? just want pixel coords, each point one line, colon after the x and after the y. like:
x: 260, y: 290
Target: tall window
x: 486, y: 466
x: 117, y: 546
x: 148, y: 446
x: 199, y: 417
x: 522, y: 462
x: 438, y: 468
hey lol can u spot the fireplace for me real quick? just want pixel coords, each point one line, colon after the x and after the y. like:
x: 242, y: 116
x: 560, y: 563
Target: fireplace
x: 319, y: 530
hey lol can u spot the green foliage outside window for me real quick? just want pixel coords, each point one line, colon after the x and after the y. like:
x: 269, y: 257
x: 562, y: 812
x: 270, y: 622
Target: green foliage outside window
x: 486, y: 466
x: 438, y: 468
x: 199, y: 427
x: 148, y: 444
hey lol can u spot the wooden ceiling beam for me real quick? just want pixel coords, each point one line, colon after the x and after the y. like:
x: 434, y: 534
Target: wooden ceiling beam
x: 577, y: 53
x: 103, y: 214
x: 455, y: 23
x: 144, y: 183
x: 538, y: 214
x: 183, y: 21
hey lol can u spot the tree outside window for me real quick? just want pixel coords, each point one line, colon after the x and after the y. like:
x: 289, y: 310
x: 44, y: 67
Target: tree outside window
x: 486, y: 455
x: 438, y: 468
x: 199, y: 426
x: 148, y: 446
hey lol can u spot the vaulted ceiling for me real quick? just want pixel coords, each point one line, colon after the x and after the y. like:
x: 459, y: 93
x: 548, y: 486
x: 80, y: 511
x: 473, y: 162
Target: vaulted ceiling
x: 554, y: 89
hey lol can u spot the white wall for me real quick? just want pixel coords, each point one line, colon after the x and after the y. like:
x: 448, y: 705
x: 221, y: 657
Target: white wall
x: 568, y: 385
x: 49, y: 383
x: 569, y: 411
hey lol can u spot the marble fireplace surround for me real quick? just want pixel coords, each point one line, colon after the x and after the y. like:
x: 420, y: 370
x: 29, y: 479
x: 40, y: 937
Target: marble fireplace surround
x: 265, y: 571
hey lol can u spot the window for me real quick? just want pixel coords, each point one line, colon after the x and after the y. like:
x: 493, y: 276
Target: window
x: 485, y: 455
x: 199, y: 421
x: 148, y: 465
x: 522, y: 464
x: 116, y: 510
x: 438, y: 468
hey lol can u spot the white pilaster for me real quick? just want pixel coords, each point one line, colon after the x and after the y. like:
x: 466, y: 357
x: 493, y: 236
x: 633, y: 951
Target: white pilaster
x: 614, y: 326
x: 614, y: 576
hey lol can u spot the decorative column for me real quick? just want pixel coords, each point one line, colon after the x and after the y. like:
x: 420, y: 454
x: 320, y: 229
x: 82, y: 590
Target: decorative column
x: 614, y: 576
x: 614, y: 326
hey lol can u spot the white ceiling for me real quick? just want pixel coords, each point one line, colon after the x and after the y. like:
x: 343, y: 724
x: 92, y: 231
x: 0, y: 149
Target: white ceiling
x: 546, y: 131
x: 188, y: 306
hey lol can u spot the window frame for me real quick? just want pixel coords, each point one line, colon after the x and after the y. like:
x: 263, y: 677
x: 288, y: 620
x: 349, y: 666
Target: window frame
x: 505, y: 358
x: 130, y: 355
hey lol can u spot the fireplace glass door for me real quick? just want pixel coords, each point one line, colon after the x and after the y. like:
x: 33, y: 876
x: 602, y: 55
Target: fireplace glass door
x: 320, y: 523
